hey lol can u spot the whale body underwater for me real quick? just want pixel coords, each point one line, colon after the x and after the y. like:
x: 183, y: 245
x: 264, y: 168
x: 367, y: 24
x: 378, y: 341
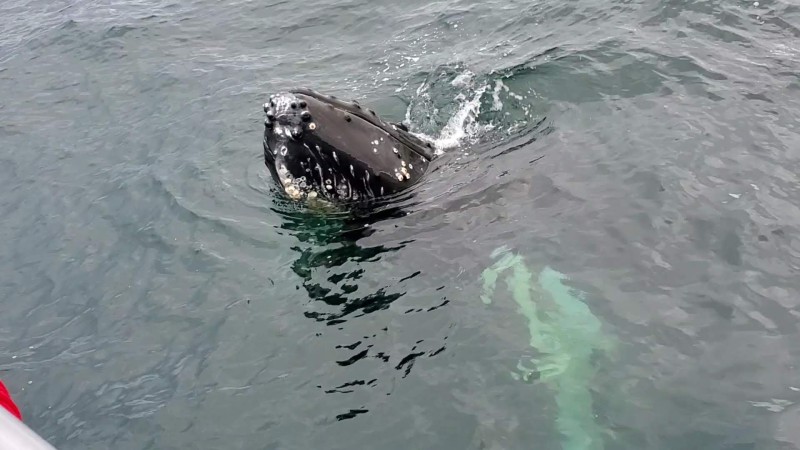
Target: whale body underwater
x: 318, y: 146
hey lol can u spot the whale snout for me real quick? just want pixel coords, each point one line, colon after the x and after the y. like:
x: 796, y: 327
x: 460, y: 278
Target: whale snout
x: 287, y: 115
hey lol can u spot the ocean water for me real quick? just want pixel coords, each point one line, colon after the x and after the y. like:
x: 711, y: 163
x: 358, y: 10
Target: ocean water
x: 157, y: 292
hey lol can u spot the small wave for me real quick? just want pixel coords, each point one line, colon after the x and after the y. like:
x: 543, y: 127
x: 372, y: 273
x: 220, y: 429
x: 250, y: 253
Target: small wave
x: 473, y: 116
x: 463, y: 122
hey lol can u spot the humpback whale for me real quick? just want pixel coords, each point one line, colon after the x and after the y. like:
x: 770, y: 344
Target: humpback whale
x: 318, y: 146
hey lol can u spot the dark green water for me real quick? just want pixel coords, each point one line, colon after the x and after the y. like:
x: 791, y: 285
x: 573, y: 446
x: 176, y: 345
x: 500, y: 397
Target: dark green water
x: 157, y: 293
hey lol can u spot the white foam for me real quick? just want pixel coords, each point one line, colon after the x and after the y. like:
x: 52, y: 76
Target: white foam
x: 463, y: 80
x: 497, y: 104
x: 461, y: 124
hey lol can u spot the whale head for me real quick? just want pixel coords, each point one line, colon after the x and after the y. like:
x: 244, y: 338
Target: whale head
x: 318, y: 145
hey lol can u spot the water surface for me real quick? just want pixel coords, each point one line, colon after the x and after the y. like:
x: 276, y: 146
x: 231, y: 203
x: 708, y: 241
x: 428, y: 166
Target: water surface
x: 158, y: 293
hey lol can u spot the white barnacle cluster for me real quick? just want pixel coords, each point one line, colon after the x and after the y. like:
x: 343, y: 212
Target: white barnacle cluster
x: 295, y: 188
x: 343, y: 189
x: 402, y: 173
x: 282, y: 102
x: 282, y: 131
x: 283, y: 172
x: 293, y: 192
x: 288, y: 182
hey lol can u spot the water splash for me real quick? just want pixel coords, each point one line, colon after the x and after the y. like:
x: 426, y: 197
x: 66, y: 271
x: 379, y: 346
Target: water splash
x: 463, y: 124
x: 454, y: 106
x: 448, y: 92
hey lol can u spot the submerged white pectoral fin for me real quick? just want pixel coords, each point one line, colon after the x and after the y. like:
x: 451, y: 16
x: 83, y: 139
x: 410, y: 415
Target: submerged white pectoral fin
x: 564, y: 337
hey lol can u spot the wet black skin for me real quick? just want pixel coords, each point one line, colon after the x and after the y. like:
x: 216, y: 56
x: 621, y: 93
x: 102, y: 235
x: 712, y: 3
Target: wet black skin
x: 343, y: 151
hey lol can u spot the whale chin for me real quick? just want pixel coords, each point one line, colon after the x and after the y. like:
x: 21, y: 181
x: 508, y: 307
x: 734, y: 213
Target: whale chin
x: 319, y: 146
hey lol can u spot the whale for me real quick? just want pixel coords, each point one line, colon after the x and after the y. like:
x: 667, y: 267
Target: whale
x: 319, y: 146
